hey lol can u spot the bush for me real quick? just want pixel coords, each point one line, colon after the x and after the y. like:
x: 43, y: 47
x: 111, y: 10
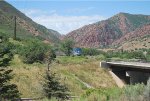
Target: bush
x: 146, y: 92
x: 100, y: 57
x: 34, y: 51
x: 126, y: 54
x: 133, y: 92
x: 138, y: 92
x: 72, y: 60
x: 67, y: 47
x: 103, y: 94
x: 91, y: 51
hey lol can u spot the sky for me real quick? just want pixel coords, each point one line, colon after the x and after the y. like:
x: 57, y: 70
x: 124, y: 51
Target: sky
x: 67, y: 15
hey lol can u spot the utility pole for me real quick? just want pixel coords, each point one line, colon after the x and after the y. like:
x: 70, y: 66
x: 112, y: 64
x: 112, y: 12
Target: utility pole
x: 15, y: 28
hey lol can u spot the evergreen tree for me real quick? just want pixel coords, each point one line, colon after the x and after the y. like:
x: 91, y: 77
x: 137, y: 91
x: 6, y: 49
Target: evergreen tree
x: 8, y: 91
x: 53, y: 88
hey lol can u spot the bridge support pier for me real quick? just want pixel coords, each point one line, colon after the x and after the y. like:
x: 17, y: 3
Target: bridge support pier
x: 130, y: 77
x: 122, y: 76
x: 138, y: 77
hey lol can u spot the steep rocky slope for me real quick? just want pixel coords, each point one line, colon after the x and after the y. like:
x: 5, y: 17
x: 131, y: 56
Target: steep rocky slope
x: 140, y: 38
x: 104, y: 33
x: 25, y: 26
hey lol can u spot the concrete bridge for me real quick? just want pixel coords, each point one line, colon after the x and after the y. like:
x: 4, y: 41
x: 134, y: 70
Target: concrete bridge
x: 128, y: 72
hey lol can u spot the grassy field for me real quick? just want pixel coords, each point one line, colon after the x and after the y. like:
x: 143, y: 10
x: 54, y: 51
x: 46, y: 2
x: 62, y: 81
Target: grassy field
x: 70, y: 70
x: 27, y: 77
x: 75, y: 73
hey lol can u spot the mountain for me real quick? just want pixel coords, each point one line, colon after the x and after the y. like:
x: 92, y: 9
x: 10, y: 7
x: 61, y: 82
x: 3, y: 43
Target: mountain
x: 139, y: 38
x: 26, y: 27
x: 103, y: 33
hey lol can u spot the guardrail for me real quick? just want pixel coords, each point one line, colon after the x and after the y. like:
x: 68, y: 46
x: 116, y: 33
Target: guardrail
x: 36, y: 99
x: 29, y: 99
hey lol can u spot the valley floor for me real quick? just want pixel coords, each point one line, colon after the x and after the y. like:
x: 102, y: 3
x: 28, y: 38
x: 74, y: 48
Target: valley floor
x: 82, y: 75
x: 79, y: 76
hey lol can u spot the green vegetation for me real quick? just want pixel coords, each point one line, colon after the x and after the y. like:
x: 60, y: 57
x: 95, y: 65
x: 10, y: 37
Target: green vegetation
x: 26, y: 28
x: 72, y: 59
x: 73, y: 72
x: 103, y: 94
x: 29, y: 77
x: 138, y: 92
x: 8, y: 91
x: 67, y: 47
x: 126, y: 54
x: 91, y: 51
x: 33, y: 51
x: 128, y: 93
x: 137, y: 20
x: 137, y: 55
x: 53, y: 88
x: 81, y: 76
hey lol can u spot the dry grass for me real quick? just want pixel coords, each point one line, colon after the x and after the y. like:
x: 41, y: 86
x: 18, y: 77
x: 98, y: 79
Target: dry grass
x: 89, y: 72
x: 29, y: 77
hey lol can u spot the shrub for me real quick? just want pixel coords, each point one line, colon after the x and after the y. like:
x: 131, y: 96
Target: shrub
x: 101, y: 57
x: 103, y: 94
x: 34, y: 51
x: 126, y: 54
x: 146, y: 92
x: 5, y: 54
x: 133, y: 92
x: 91, y: 51
x: 67, y: 47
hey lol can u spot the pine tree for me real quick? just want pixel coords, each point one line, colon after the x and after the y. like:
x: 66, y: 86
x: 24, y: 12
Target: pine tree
x: 8, y: 91
x: 53, y: 88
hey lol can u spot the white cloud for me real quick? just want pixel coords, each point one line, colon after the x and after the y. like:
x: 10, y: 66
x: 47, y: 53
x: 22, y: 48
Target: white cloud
x: 65, y: 24
x: 61, y: 23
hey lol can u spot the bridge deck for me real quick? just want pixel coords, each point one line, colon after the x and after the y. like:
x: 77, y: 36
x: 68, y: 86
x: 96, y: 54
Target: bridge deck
x: 130, y: 64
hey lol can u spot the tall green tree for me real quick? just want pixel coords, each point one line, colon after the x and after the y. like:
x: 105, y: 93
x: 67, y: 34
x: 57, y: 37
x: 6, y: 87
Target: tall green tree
x: 8, y: 91
x: 67, y: 47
